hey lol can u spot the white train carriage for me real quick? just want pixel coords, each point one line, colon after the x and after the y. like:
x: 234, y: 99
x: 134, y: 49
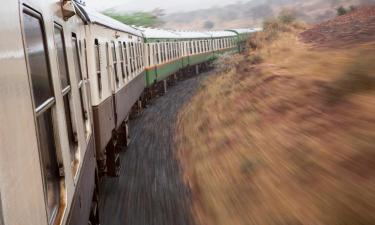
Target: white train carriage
x: 223, y: 41
x: 47, y: 169
x: 116, y: 71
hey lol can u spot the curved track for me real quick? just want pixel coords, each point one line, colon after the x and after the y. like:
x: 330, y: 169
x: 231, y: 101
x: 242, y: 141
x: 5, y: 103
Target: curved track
x: 150, y: 190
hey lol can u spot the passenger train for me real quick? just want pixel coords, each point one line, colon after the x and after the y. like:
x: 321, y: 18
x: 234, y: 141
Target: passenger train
x: 69, y: 79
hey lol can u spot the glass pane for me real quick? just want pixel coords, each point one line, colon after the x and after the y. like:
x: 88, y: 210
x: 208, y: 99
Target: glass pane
x: 97, y: 57
x: 83, y: 109
x: 69, y: 125
x: 36, y: 52
x: 77, y: 64
x: 61, y: 56
x: 49, y: 163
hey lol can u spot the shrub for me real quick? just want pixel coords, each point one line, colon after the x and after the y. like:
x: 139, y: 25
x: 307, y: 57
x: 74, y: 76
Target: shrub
x: 287, y: 16
x: 358, y: 77
x: 208, y: 24
x: 341, y: 11
x: 255, y: 59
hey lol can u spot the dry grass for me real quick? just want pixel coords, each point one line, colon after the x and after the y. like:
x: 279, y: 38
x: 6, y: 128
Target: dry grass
x: 261, y: 146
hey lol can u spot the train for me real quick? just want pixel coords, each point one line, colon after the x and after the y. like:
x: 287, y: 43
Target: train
x: 70, y: 78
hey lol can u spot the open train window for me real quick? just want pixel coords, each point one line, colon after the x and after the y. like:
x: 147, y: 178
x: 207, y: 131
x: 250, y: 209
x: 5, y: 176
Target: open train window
x: 67, y: 96
x: 138, y: 54
x: 148, y: 55
x: 114, y: 59
x: 78, y: 71
x: 126, y: 59
x: 157, y: 54
x: 134, y: 58
x: 131, y: 58
x: 121, y: 60
x: 98, y: 69
x: 44, y: 105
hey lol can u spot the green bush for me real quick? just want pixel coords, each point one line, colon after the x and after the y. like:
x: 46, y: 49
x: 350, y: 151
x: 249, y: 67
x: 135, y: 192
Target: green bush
x: 146, y: 19
x: 341, y: 11
x: 287, y: 16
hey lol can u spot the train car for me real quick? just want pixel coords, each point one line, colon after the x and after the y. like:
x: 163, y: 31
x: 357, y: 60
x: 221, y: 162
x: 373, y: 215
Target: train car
x: 163, y: 54
x: 198, y: 48
x: 223, y: 42
x: 116, y: 71
x: 242, y: 36
x: 47, y: 169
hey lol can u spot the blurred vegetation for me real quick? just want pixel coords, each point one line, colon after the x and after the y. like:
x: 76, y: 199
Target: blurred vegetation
x: 357, y: 77
x: 145, y: 19
x: 208, y: 24
x: 342, y: 10
x: 287, y: 16
x: 273, y: 26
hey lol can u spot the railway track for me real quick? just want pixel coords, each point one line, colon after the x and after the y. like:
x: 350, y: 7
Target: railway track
x: 150, y: 190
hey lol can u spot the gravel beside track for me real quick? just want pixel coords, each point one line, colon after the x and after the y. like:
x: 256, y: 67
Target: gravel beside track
x: 150, y: 189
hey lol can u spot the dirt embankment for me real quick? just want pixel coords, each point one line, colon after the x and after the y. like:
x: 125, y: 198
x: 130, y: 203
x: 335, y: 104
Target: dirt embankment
x: 354, y: 28
x: 285, y: 134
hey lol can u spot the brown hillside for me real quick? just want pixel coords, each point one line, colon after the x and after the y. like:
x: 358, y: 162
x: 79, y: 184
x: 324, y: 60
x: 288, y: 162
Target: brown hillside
x: 354, y: 28
x: 285, y: 133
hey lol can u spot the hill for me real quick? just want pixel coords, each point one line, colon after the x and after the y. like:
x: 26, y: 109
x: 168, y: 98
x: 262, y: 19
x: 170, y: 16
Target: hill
x: 252, y: 13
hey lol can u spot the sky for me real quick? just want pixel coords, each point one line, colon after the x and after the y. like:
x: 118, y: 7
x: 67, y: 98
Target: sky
x: 169, y: 6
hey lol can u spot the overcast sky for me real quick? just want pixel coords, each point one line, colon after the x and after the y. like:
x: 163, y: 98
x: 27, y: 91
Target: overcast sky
x: 147, y: 5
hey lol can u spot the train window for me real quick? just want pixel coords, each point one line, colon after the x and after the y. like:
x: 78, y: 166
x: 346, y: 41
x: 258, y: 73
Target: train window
x: 164, y: 52
x: 167, y: 51
x: 98, y: 70
x: 77, y: 67
x: 138, y: 52
x: 140, y: 55
x: 66, y: 92
x: 37, y: 57
x: 148, y: 55
x: 44, y: 100
x: 114, y: 58
x: 171, y: 49
x: 78, y: 70
x: 49, y: 163
x: 157, y: 54
x: 134, y: 58
x: 121, y: 60
x: 126, y: 59
x: 131, y: 57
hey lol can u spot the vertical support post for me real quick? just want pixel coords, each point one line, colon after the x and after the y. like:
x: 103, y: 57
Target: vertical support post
x: 196, y: 69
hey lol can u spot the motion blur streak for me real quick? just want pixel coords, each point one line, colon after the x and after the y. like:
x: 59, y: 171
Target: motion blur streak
x: 285, y: 134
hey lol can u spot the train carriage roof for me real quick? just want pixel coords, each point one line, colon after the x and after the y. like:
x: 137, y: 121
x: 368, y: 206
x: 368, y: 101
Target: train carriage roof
x: 91, y: 16
x: 245, y: 30
x: 192, y: 34
x: 154, y: 33
x: 218, y: 34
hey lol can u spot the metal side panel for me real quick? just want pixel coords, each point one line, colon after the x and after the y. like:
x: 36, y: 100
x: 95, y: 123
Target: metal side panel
x: 81, y: 205
x: 1, y: 212
x: 104, y: 124
x: 128, y: 96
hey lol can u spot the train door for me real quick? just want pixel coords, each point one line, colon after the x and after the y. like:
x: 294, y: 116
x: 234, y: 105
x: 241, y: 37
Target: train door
x: 45, y: 111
